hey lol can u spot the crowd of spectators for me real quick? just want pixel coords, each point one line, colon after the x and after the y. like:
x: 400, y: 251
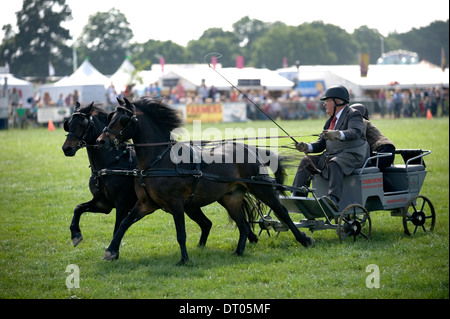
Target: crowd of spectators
x: 286, y: 105
x: 290, y: 105
x: 412, y: 102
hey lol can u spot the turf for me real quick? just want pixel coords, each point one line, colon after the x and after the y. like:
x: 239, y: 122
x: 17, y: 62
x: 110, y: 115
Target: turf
x: 40, y: 187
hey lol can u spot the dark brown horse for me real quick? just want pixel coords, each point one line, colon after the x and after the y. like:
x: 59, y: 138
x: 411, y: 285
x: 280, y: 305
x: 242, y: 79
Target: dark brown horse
x: 186, y: 186
x: 83, y: 127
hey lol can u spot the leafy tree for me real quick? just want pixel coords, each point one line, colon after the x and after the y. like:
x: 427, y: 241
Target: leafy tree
x: 369, y: 41
x: 343, y: 46
x: 306, y: 44
x: 40, y: 40
x: 426, y: 41
x: 218, y: 41
x: 248, y: 30
x: 150, y: 51
x: 105, y: 40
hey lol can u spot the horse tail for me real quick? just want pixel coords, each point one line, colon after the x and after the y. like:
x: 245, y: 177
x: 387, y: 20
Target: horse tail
x: 250, y: 211
x: 280, y: 173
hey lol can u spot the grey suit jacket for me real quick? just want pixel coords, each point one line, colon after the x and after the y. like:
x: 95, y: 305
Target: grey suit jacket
x: 350, y: 153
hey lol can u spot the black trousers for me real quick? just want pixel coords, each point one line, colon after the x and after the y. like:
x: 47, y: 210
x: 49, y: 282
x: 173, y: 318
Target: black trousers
x: 309, y: 166
x: 384, y: 162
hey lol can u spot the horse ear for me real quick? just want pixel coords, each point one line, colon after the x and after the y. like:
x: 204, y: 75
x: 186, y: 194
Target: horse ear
x: 128, y: 104
x: 77, y: 105
x: 121, y: 102
x: 89, y: 107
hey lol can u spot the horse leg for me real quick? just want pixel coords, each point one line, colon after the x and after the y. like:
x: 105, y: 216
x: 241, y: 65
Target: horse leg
x: 95, y: 206
x: 138, y: 212
x: 270, y: 198
x: 125, y: 203
x: 178, y: 217
x: 233, y: 204
x: 205, y: 224
x: 251, y: 235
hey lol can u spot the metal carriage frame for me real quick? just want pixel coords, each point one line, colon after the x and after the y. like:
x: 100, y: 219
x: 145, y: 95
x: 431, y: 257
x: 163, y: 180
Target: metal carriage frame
x: 367, y: 189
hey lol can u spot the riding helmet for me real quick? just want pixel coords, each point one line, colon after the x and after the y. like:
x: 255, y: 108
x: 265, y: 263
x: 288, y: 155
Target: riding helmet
x: 337, y: 92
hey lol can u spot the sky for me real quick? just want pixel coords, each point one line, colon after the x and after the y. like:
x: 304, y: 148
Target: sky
x: 183, y: 20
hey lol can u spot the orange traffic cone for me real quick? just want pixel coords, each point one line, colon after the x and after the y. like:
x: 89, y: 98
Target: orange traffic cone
x: 51, y: 126
x: 429, y: 116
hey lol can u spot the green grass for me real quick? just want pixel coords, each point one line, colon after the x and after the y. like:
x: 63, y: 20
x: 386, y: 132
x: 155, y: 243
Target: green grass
x: 40, y: 187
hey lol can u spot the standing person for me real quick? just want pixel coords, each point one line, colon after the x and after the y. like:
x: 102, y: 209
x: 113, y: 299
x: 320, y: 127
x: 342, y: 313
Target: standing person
x: 212, y: 93
x: 14, y: 98
x: 60, y: 101
x: 398, y: 102
x: 343, y: 141
x: 382, y: 102
x: 203, y: 91
x: 181, y: 93
x: 377, y: 141
x: 75, y: 97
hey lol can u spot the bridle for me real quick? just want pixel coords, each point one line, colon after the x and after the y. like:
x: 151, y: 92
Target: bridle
x: 87, y: 124
x: 126, y: 121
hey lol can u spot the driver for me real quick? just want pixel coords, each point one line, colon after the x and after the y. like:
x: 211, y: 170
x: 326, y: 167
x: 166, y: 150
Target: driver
x: 343, y: 141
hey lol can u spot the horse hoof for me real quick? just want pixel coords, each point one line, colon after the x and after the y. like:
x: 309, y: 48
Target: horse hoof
x: 110, y: 255
x: 182, y: 262
x: 253, y: 239
x: 310, y: 242
x: 77, y: 239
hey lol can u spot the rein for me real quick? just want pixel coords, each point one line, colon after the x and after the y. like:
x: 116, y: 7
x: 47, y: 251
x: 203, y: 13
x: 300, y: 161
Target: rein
x: 222, y: 141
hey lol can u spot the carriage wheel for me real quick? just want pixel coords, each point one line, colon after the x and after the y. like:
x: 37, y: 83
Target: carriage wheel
x: 416, y: 213
x: 265, y: 223
x: 354, y: 220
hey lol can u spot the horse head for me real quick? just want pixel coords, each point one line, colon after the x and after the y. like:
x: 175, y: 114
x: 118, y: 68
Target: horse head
x: 121, y: 126
x: 77, y: 127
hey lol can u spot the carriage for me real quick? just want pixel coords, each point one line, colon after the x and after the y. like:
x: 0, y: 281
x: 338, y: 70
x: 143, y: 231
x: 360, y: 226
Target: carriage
x: 161, y: 182
x: 367, y: 189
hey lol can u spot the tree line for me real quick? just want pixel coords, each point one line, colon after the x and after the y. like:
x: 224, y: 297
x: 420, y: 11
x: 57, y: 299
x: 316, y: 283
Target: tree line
x: 105, y: 40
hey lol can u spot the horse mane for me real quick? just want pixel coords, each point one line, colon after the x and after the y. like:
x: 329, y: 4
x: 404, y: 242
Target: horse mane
x: 162, y: 114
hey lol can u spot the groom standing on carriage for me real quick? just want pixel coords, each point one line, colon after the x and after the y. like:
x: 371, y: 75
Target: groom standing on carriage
x: 343, y: 141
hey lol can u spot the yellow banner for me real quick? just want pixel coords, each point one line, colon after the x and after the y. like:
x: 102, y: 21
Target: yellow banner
x: 207, y: 113
x: 364, y: 61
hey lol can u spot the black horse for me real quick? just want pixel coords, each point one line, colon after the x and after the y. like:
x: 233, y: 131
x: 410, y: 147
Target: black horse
x: 109, y: 191
x: 187, y: 186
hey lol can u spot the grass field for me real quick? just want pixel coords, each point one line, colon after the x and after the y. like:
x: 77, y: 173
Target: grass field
x: 40, y: 187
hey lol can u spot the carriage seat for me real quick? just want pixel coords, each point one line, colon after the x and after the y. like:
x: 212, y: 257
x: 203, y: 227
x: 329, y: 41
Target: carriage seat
x: 402, y: 177
x: 366, y: 170
x: 403, y: 168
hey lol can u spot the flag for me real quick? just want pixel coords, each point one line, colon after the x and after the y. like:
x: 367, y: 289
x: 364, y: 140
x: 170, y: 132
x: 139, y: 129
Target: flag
x: 364, y: 64
x: 51, y: 69
x: 162, y: 62
x: 443, y: 60
x: 214, y: 61
x: 239, y: 62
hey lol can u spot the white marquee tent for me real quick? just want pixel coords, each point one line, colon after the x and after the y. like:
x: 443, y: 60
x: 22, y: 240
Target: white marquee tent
x: 87, y: 80
x: 123, y: 76
x: 191, y: 78
x: 25, y: 88
x: 383, y: 76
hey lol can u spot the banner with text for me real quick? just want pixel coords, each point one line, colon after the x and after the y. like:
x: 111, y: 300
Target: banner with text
x: 207, y: 113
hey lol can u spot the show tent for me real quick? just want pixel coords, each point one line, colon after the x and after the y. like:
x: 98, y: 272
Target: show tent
x: 87, y: 80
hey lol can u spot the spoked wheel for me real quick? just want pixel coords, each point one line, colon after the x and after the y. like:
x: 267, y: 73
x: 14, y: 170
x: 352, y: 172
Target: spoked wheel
x: 419, y: 212
x: 354, y: 221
